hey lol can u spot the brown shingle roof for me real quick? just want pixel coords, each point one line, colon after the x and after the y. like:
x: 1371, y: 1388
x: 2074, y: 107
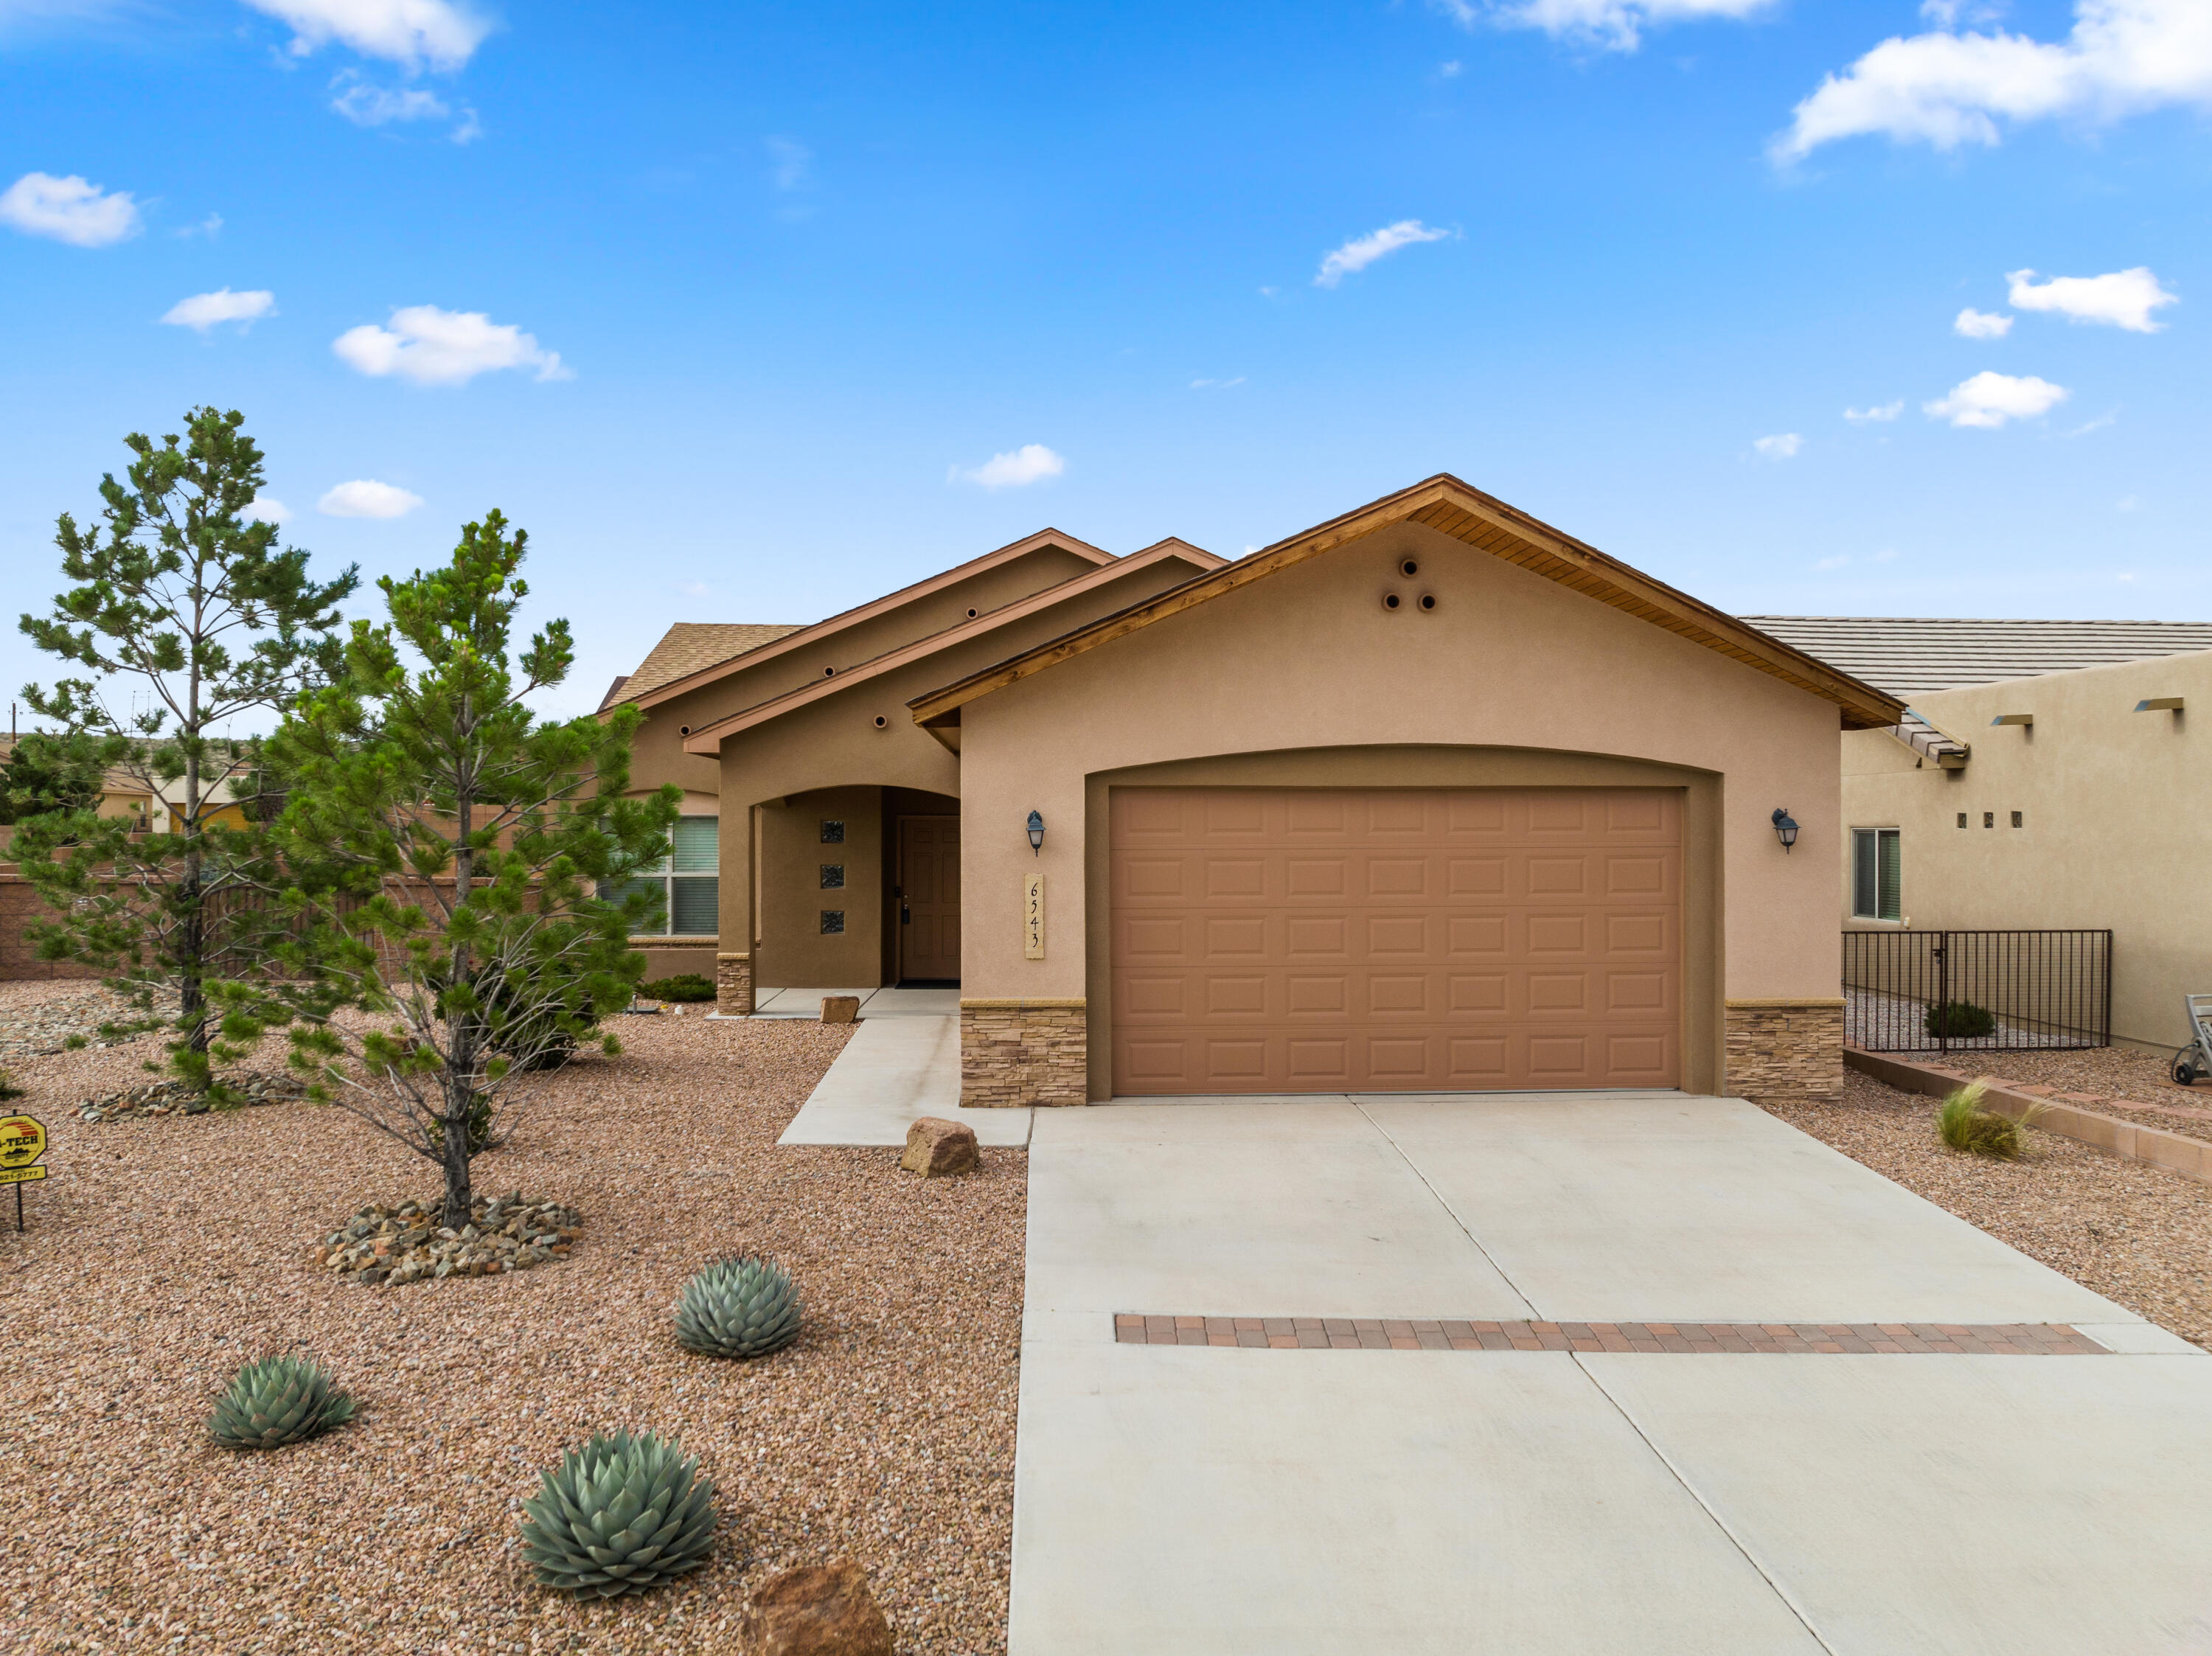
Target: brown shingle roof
x: 690, y: 647
x: 1907, y: 656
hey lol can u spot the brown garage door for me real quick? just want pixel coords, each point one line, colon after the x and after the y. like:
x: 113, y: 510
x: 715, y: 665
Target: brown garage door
x: 1323, y: 940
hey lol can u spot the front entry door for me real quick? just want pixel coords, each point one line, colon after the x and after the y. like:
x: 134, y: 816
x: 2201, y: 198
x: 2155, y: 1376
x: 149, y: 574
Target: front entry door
x: 929, y: 898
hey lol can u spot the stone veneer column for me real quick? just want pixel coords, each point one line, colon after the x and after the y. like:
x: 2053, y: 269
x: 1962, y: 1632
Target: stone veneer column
x: 1021, y: 1052
x: 733, y: 985
x: 1785, y: 1051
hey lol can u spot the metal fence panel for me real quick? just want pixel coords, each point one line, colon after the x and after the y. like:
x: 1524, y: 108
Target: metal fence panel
x: 1976, y: 992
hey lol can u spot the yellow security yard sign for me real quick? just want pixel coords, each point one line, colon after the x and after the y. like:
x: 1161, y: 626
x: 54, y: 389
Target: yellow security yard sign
x: 23, y: 1142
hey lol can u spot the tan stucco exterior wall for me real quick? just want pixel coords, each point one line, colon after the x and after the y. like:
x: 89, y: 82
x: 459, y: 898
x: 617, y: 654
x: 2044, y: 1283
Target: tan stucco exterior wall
x: 1309, y: 659
x: 2115, y: 813
x: 835, y: 742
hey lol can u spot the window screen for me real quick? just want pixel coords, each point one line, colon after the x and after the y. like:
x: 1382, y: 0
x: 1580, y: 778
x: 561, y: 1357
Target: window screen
x: 1877, y: 875
x: 686, y: 883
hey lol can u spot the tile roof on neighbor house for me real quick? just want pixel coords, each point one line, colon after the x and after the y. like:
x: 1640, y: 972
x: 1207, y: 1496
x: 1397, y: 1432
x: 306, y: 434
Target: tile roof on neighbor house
x: 688, y: 647
x: 1911, y: 656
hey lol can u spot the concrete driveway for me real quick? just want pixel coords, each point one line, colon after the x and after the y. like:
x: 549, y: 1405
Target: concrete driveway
x: 1220, y: 1498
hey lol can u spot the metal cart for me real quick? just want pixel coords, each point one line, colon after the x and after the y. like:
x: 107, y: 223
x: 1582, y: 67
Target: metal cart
x: 2194, y: 1061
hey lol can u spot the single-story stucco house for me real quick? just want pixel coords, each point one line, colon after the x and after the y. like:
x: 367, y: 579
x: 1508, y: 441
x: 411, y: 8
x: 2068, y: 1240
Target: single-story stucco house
x: 1430, y: 796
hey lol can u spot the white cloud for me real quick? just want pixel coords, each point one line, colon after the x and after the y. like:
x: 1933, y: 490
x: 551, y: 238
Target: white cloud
x: 1216, y: 384
x: 1875, y: 412
x: 1837, y: 562
x: 2111, y: 417
x: 1971, y: 323
x: 2120, y: 299
x: 2126, y: 503
x: 1031, y: 463
x: 1361, y: 251
x: 366, y: 498
x: 366, y: 104
x: 1947, y: 90
x: 692, y: 589
x: 204, y: 310
x: 211, y: 226
x: 68, y: 209
x: 434, y: 347
x: 412, y: 32
x: 1450, y: 71
x: 267, y: 508
x: 1887, y: 554
x: 1782, y: 446
x: 792, y: 160
x: 1616, y: 25
x: 1991, y: 399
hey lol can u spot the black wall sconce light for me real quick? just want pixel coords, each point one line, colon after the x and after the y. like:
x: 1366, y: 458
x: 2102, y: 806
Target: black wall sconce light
x: 1785, y: 828
x: 1036, y: 833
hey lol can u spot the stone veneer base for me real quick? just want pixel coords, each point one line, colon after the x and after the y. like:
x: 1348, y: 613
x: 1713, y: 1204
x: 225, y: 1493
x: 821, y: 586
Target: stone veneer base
x: 1785, y: 1051
x: 733, y: 985
x: 1022, y: 1052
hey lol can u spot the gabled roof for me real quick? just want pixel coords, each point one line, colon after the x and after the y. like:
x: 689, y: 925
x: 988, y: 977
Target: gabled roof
x: 690, y: 647
x: 707, y: 738
x: 1908, y: 657
x: 792, y: 638
x: 1445, y: 504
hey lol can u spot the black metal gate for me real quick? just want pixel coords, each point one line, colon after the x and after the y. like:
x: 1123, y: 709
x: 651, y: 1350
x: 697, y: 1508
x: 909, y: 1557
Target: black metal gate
x: 1982, y: 992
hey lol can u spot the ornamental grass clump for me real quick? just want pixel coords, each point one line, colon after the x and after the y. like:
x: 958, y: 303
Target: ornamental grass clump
x: 1964, y: 1125
x: 619, y: 1515
x: 277, y: 1401
x: 745, y: 1307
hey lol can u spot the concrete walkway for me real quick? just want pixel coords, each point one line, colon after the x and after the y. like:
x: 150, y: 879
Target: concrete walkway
x: 899, y: 1065
x: 1218, y: 1500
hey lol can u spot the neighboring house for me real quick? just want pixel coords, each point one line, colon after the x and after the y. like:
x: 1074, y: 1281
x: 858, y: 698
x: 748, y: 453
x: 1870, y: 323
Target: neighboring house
x: 2048, y: 781
x: 121, y: 793
x: 1431, y: 795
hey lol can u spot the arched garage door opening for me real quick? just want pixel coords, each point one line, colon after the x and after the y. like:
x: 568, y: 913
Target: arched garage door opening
x: 1383, y: 939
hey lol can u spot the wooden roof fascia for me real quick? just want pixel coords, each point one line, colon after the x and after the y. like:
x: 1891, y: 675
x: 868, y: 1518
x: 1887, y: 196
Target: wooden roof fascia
x: 833, y: 624
x: 707, y: 738
x: 1445, y: 504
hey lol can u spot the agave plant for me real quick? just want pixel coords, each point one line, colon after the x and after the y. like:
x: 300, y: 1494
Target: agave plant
x: 277, y: 1401
x: 745, y: 1307
x: 618, y: 1515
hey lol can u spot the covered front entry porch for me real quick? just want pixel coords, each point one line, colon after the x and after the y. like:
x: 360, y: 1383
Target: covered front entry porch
x: 854, y: 889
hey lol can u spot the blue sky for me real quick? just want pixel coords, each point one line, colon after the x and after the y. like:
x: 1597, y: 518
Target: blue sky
x: 750, y: 312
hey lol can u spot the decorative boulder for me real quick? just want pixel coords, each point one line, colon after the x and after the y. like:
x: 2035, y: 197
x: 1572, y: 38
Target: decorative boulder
x: 817, y: 1609
x: 935, y: 1147
x: 840, y: 1009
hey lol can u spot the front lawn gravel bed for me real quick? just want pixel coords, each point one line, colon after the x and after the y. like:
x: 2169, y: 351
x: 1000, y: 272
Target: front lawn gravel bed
x: 2120, y: 1081
x: 165, y: 1252
x: 2137, y: 1234
x: 39, y: 1018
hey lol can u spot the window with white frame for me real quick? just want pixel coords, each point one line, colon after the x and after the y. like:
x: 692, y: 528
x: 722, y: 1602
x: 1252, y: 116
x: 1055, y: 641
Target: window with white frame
x: 687, y: 882
x: 1877, y: 879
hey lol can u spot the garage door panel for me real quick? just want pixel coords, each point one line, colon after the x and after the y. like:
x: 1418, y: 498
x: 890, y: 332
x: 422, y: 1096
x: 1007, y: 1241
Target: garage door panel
x: 1321, y: 940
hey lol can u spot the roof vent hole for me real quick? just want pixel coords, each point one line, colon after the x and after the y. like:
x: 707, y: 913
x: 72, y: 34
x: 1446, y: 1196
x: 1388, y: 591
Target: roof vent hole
x: 1428, y: 600
x: 683, y: 730
x: 1391, y: 600
x: 1409, y: 569
x: 828, y: 671
x: 971, y: 614
x: 882, y: 723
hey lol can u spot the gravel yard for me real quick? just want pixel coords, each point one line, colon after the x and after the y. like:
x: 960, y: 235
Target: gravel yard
x: 164, y: 1252
x: 2135, y: 1233
x: 40, y: 1017
x: 2111, y: 1080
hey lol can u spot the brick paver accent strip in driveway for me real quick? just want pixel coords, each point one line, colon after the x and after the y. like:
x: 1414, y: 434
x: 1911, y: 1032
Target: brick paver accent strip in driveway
x: 1693, y: 1339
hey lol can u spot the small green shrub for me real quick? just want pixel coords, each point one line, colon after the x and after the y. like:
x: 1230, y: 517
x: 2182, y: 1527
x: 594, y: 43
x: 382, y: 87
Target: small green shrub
x: 685, y: 986
x: 277, y: 1401
x: 1964, y: 1125
x: 1960, y: 1020
x: 9, y: 1088
x: 746, y: 1306
x: 618, y: 1515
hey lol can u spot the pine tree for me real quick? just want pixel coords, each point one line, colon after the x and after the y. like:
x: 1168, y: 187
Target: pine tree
x: 183, y: 599
x: 447, y: 844
x: 46, y: 772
